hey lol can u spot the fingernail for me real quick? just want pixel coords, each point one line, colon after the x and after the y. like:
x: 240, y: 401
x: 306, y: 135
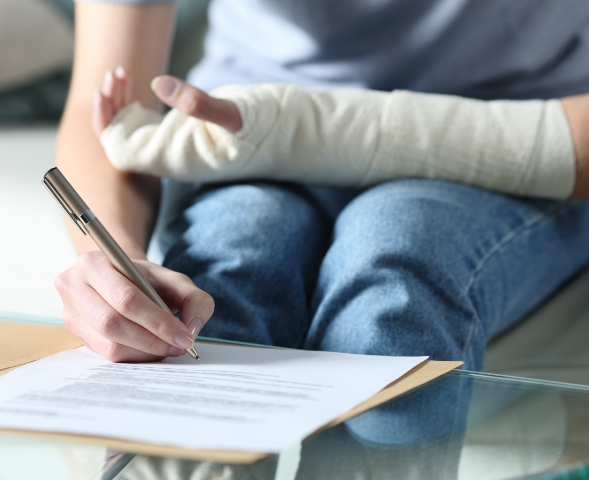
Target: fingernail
x: 194, y: 326
x: 164, y: 86
x: 183, y: 340
x: 120, y: 72
x: 175, y: 352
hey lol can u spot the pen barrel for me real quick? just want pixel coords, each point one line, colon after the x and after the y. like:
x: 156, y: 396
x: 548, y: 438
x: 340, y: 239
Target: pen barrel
x: 121, y: 261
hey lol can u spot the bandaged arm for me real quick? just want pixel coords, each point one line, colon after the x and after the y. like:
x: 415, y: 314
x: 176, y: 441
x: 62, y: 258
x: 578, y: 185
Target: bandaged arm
x: 354, y: 138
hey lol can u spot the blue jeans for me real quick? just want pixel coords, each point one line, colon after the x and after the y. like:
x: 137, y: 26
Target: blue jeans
x: 412, y: 267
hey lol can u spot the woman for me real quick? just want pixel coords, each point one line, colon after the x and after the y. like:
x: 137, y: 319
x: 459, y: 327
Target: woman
x: 405, y: 268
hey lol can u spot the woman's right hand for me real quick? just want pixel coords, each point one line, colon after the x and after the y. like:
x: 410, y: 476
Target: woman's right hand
x: 116, y: 320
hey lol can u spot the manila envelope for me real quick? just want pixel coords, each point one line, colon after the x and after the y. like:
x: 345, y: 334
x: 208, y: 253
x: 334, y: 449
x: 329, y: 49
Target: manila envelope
x: 24, y: 343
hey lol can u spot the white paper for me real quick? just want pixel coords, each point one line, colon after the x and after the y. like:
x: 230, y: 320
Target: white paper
x: 235, y: 398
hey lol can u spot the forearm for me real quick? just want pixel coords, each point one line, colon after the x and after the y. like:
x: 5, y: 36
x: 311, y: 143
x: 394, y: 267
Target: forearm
x: 126, y: 203
x: 102, y: 307
x: 109, y: 35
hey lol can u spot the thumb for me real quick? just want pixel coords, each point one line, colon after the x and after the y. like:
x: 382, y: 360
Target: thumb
x: 194, y: 102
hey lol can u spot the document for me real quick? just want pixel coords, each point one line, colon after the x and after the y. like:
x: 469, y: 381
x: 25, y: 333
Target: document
x: 236, y: 398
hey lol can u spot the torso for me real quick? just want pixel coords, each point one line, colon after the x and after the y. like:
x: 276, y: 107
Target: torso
x: 477, y: 48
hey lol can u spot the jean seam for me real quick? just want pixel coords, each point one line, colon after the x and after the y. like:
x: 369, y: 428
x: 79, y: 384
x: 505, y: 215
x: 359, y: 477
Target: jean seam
x: 495, y: 249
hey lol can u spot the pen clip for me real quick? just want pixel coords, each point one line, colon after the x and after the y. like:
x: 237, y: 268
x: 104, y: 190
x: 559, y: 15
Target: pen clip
x: 59, y: 200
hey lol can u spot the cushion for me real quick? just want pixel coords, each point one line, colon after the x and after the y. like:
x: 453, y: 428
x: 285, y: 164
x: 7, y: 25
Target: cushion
x: 35, y: 41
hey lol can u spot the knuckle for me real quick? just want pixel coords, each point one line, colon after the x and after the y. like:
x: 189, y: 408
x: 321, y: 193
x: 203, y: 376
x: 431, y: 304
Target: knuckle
x: 191, y: 102
x: 153, y: 346
x: 62, y: 282
x: 68, y: 313
x: 208, y: 304
x: 114, y: 352
x: 109, y: 324
x: 68, y: 318
x: 211, y: 305
x: 127, y: 298
x: 164, y: 327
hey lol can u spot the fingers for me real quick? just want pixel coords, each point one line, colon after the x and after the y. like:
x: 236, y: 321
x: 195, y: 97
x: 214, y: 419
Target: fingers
x: 126, y: 81
x: 122, y: 90
x: 114, y: 347
x: 102, y: 113
x: 113, y: 88
x: 194, y: 102
x: 114, y: 95
x: 128, y: 302
x: 115, y: 352
x: 180, y: 293
x: 115, y: 319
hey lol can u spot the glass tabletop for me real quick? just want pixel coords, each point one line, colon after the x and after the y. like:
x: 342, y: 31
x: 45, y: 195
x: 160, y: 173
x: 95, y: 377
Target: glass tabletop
x: 465, y: 425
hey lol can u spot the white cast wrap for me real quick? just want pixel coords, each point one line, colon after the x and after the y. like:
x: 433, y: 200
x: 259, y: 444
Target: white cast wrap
x: 354, y: 138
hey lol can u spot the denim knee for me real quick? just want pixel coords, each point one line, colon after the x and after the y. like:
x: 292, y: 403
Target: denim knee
x: 421, y: 267
x: 392, y: 282
x: 256, y: 248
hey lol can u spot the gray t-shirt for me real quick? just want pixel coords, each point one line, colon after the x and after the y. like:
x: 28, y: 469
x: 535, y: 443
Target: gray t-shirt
x: 476, y: 48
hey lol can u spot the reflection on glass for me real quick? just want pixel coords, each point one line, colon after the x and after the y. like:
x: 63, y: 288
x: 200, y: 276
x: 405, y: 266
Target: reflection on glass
x: 461, y: 427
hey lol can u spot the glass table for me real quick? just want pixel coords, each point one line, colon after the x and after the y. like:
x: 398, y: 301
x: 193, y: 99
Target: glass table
x: 464, y: 425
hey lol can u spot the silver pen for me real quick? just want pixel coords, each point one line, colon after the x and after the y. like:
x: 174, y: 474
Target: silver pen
x: 89, y: 225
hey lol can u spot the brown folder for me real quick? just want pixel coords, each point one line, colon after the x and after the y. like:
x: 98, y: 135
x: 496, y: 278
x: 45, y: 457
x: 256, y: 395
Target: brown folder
x: 24, y: 343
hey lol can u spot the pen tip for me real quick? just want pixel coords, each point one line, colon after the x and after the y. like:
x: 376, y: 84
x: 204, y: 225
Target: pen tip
x: 192, y: 352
